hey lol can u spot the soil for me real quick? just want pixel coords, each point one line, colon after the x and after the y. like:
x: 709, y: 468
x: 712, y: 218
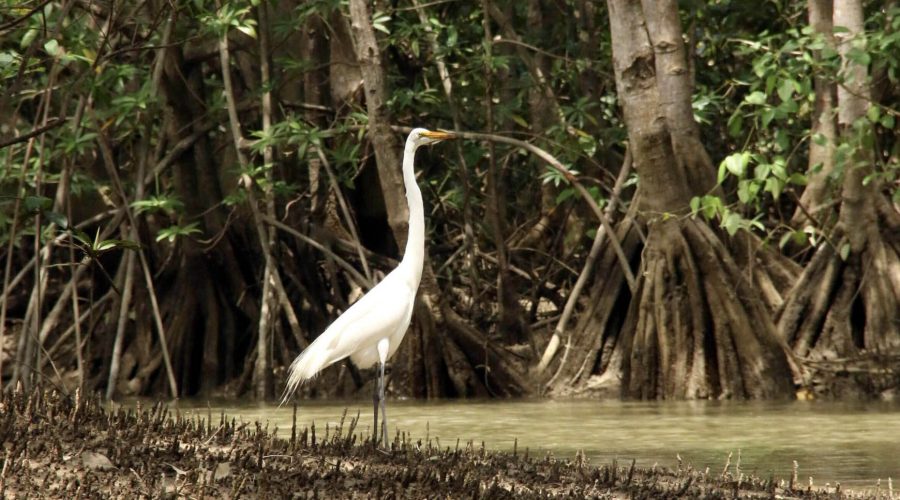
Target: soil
x: 57, y: 446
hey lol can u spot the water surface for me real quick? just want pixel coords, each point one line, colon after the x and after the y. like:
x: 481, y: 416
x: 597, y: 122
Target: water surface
x: 851, y: 443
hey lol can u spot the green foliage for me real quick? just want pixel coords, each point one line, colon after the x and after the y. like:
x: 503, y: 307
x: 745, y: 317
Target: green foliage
x: 164, y: 203
x: 228, y: 16
x: 768, y: 109
x: 176, y: 231
x: 94, y: 247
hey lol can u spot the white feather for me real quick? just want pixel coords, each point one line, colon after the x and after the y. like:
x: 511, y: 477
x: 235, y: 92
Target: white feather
x: 383, y: 312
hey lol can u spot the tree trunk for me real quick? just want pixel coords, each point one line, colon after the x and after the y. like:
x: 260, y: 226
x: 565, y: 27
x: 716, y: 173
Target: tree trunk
x: 379, y: 128
x: 695, y: 328
x: 815, y: 200
x: 853, y: 311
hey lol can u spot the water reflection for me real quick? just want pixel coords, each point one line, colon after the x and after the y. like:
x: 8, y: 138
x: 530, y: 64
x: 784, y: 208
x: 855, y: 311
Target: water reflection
x: 853, y: 443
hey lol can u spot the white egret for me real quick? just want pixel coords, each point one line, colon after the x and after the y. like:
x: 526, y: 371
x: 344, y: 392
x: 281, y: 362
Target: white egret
x: 370, y: 330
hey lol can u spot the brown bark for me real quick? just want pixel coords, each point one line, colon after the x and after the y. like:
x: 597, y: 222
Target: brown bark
x: 816, y: 198
x: 695, y: 327
x: 587, y: 362
x: 379, y: 131
x: 634, y: 64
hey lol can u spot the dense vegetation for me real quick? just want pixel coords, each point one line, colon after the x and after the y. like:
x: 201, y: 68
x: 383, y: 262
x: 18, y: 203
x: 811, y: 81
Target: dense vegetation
x: 222, y: 179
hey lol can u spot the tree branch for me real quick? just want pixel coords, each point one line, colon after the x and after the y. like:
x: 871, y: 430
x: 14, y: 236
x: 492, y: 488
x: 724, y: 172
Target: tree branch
x: 559, y: 167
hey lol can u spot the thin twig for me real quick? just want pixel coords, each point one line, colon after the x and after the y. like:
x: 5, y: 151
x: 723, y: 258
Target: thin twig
x: 358, y: 278
x: 55, y: 123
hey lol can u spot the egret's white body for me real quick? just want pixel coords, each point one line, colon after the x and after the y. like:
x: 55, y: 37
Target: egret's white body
x: 370, y: 331
x: 381, y: 314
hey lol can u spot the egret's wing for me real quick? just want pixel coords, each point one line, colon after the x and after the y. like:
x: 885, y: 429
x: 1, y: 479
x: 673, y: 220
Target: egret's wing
x: 376, y: 315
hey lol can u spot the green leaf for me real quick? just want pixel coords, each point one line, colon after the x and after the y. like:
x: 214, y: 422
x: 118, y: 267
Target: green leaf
x: 787, y: 108
x: 52, y: 48
x: 519, y: 120
x: 778, y: 168
x: 767, y: 115
x: 737, y: 163
x: 798, y: 179
x: 770, y: 84
x: 28, y: 37
x: 845, y: 251
x: 859, y: 56
x: 782, y: 140
x: 37, y: 203
x: 786, y: 90
x: 762, y: 171
x: 756, y: 98
x: 774, y: 186
x: 378, y: 22
x: 711, y: 205
x: 564, y: 195
x: 57, y: 218
x: 247, y: 30
x: 695, y: 204
x: 735, y: 123
x: 747, y: 190
x: 172, y: 232
x: 160, y: 203
x: 784, y: 239
x: 873, y: 113
x: 887, y: 121
x: 731, y: 223
x: 113, y: 244
x: 82, y: 237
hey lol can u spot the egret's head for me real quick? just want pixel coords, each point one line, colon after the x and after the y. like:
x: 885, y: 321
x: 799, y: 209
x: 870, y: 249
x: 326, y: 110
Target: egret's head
x: 421, y: 136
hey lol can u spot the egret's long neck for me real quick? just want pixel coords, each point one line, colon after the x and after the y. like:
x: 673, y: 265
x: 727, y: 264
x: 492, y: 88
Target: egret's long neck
x: 415, y: 240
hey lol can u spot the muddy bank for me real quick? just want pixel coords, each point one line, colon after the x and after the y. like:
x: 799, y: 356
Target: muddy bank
x: 56, y: 446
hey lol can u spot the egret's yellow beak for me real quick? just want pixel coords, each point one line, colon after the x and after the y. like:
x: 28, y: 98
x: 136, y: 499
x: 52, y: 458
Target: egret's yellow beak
x: 437, y: 135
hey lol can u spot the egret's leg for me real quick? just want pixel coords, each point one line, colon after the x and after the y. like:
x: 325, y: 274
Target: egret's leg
x: 383, y: 347
x: 376, y: 400
x: 384, y: 432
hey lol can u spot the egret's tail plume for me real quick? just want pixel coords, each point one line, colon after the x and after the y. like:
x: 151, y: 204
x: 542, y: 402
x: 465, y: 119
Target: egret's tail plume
x: 312, y: 360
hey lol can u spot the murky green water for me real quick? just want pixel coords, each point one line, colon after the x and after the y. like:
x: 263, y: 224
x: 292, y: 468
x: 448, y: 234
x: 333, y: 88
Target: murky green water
x: 853, y: 443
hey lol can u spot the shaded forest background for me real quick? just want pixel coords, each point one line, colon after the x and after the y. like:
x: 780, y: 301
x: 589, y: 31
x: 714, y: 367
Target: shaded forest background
x: 223, y: 179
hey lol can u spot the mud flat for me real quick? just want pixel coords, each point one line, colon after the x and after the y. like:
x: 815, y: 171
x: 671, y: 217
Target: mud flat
x: 56, y: 446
